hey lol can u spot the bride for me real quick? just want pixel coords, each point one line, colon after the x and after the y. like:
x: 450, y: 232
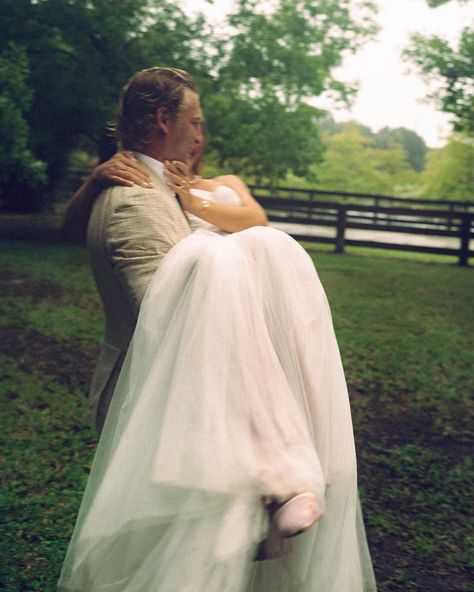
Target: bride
x: 229, y: 430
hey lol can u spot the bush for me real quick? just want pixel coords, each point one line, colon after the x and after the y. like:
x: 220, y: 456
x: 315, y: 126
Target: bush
x: 22, y: 176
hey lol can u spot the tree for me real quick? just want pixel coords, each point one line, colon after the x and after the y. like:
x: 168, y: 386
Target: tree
x: 450, y: 170
x: 22, y: 176
x: 280, y: 54
x: 254, y: 83
x: 449, y: 72
x: 436, y: 3
x: 413, y: 144
x: 80, y: 54
x: 352, y: 162
x: 261, y: 138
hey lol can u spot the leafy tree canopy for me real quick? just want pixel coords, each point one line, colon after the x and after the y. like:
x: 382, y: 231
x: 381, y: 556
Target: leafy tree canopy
x: 21, y: 174
x: 449, y: 72
x: 450, y: 171
x: 279, y: 54
x: 261, y: 137
x: 436, y: 3
x: 413, y: 144
x: 62, y: 65
x: 360, y: 160
x: 254, y: 82
x: 292, y: 46
x: 354, y: 162
x: 80, y: 54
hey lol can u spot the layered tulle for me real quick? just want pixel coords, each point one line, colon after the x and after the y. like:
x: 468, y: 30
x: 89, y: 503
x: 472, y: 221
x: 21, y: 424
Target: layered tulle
x: 232, y: 389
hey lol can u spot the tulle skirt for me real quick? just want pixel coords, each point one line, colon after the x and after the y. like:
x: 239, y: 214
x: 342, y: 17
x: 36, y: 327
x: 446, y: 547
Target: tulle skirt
x: 232, y: 389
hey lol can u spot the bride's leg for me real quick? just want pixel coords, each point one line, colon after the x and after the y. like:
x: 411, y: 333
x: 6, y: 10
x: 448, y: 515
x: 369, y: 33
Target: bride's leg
x: 292, y: 507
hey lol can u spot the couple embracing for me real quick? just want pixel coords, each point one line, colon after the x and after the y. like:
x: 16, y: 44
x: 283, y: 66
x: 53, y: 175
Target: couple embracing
x: 226, y: 461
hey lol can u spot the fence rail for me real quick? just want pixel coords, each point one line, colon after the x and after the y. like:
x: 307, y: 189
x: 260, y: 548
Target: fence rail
x: 359, y: 198
x: 413, y: 217
x: 345, y: 211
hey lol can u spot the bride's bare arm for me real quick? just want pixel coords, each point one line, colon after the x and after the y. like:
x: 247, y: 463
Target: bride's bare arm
x: 121, y: 169
x: 226, y: 217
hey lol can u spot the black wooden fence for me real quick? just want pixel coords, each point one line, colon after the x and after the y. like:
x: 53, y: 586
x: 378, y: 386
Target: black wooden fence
x: 342, y: 211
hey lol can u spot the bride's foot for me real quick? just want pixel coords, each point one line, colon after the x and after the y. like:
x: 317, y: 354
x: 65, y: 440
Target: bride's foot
x: 297, y: 515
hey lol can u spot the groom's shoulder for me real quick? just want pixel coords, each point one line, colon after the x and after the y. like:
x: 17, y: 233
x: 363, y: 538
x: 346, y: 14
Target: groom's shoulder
x: 117, y: 197
x: 116, y: 194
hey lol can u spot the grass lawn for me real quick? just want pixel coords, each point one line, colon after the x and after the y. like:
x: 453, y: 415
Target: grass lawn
x: 405, y: 330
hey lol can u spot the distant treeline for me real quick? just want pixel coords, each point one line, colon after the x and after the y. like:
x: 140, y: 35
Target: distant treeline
x: 391, y: 162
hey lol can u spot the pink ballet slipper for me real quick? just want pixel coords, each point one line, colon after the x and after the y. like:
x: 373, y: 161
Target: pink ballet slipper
x: 297, y: 515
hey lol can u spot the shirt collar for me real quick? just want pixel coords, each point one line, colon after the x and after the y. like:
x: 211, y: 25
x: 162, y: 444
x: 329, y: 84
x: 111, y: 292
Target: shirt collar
x: 155, y: 165
x: 158, y: 168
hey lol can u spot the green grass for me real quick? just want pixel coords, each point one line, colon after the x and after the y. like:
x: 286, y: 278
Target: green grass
x: 405, y: 330
x: 383, y: 253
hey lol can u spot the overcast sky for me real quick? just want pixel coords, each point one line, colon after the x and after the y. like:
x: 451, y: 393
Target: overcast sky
x: 388, y: 95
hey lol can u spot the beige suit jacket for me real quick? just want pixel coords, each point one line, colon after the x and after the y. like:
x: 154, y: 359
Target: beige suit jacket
x: 130, y: 230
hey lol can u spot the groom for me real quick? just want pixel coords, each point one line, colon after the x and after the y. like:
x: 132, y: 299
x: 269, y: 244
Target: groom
x: 132, y: 228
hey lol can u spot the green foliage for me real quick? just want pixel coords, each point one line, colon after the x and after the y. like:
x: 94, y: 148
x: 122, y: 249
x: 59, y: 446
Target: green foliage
x: 62, y: 74
x: 404, y: 331
x: 253, y: 82
x: 436, y: 3
x: 279, y: 55
x: 260, y: 137
x: 450, y: 171
x: 21, y: 174
x: 62, y: 66
x: 449, y: 71
x: 353, y: 162
x: 80, y: 54
x: 413, y: 145
x: 347, y: 164
x: 292, y: 46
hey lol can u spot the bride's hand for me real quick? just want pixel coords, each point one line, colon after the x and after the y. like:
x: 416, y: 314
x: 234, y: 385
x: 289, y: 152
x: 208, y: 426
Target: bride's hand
x: 122, y: 169
x: 178, y: 175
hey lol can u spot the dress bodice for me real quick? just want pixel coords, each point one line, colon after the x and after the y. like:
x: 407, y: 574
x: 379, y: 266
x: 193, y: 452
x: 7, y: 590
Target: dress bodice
x: 223, y: 195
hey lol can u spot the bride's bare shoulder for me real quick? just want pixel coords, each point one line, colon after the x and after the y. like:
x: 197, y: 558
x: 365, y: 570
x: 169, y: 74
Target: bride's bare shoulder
x: 232, y: 181
x: 228, y: 178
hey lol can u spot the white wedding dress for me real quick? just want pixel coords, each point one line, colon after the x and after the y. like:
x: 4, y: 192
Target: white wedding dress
x: 232, y: 389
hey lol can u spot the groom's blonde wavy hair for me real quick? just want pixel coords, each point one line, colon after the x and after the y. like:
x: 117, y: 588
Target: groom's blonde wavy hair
x: 142, y: 96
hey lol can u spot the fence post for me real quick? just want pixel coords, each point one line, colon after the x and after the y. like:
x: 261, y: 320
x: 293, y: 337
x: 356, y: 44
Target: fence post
x: 341, y: 228
x: 310, y: 204
x: 450, y: 219
x: 465, y: 237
